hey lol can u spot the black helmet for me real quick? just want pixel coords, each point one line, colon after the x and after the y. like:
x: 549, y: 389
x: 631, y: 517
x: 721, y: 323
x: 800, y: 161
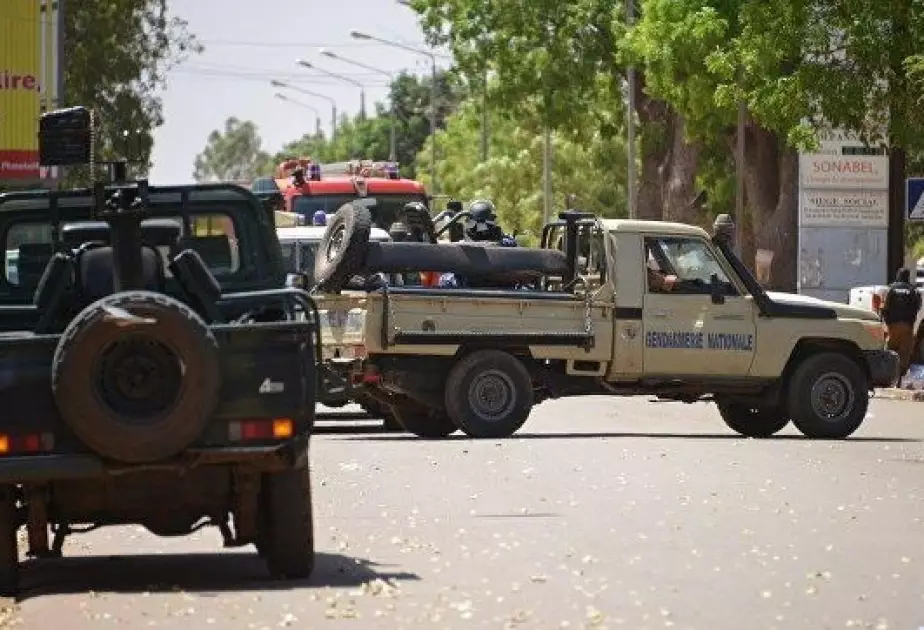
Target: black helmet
x: 482, y: 224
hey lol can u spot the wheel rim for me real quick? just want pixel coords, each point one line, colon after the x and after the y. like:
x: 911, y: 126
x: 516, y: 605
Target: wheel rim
x: 491, y: 395
x: 832, y: 397
x: 335, y: 243
x: 139, y: 378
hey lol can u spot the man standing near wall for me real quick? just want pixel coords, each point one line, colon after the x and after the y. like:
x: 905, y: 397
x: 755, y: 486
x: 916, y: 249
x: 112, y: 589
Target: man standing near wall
x: 899, y: 313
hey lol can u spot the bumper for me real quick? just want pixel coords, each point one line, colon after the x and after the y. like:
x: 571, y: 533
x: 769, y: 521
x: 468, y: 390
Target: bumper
x: 49, y: 468
x: 883, y: 367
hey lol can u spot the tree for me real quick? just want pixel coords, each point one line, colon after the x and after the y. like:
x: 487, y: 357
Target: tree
x: 119, y: 69
x: 795, y: 63
x: 552, y: 60
x: 512, y: 175
x: 369, y: 138
x: 233, y: 154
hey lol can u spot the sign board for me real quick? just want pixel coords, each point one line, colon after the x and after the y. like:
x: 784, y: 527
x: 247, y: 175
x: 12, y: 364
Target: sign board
x: 843, y: 217
x: 855, y: 208
x: 914, y: 198
x: 843, y: 171
x: 30, y: 82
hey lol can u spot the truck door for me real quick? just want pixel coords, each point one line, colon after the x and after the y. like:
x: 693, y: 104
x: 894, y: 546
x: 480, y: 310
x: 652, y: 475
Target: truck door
x: 686, y: 333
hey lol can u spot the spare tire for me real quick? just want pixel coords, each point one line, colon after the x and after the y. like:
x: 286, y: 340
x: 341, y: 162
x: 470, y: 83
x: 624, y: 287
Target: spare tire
x: 342, y: 250
x: 136, y: 376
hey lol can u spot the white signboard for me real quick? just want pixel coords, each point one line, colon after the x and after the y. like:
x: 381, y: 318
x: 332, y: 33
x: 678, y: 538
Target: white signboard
x: 844, y: 171
x: 860, y: 208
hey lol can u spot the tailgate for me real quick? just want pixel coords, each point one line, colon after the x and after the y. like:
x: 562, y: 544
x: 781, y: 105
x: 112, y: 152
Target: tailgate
x: 343, y: 318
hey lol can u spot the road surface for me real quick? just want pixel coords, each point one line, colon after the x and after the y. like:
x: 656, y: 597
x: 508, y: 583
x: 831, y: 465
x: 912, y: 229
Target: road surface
x: 602, y: 514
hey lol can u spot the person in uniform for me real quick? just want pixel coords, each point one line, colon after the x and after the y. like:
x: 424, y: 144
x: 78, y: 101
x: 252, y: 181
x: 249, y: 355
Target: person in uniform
x: 480, y: 226
x: 899, y: 313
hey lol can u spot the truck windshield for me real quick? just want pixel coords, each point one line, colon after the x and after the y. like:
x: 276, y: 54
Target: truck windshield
x: 384, y: 213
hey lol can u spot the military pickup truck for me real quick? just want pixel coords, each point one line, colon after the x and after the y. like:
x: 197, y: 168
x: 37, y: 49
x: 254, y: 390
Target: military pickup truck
x: 602, y: 307
x: 153, y: 370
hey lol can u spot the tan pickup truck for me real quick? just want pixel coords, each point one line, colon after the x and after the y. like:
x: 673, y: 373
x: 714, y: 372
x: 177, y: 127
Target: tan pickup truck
x: 603, y: 307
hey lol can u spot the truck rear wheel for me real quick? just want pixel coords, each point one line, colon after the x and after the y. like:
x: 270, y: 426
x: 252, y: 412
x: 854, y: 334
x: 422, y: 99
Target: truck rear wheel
x: 828, y: 396
x: 9, y: 545
x: 751, y: 421
x: 489, y: 394
x: 424, y: 422
x: 137, y: 376
x: 285, y: 536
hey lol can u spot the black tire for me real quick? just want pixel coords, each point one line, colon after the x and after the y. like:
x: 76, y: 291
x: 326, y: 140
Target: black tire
x: 753, y: 422
x: 285, y: 536
x: 828, y: 396
x: 9, y: 544
x: 391, y: 425
x: 342, y: 250
x: 489, y: 394
x: 423, y: 422
x: 137, y: 390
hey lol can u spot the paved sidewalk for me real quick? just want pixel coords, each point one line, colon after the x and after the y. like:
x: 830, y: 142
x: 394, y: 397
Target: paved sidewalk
x: 897, y: 393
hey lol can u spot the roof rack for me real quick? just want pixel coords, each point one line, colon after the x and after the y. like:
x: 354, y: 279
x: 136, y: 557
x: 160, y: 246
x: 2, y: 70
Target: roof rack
x: 361, y: 168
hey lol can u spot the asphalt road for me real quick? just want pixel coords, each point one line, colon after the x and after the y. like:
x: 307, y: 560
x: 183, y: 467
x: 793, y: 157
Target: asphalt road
x: 602, y: 514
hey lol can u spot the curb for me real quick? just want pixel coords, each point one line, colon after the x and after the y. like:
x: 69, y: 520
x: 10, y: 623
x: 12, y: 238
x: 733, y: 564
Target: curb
x: 895, y: 393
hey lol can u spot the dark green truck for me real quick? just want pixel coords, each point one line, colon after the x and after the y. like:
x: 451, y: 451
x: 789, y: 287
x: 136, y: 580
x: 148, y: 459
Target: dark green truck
x: 153, y: 371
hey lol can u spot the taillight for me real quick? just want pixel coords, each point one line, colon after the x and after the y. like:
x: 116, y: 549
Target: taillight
x: 261, y: 430
x: 28, y: 443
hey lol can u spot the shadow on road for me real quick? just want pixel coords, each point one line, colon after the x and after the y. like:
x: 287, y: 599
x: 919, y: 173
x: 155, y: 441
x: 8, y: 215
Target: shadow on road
x: 200, y: 573
x: 349, y: 429
x: 399, y: 437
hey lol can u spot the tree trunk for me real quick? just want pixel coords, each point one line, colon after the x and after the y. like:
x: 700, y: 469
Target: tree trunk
x: 678, y: 173
x: 655, y: 119
x: 772, y: 188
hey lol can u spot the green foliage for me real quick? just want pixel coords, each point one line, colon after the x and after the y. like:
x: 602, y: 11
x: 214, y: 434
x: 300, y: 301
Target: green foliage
x: 593, y: 171
x: 116, y: 58
x: 233, y: 154
x: 794, y: 62
x: 548, y: 56
x: 369, y: 138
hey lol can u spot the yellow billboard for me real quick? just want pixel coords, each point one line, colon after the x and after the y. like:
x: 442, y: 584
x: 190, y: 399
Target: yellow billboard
x: 29, y: 79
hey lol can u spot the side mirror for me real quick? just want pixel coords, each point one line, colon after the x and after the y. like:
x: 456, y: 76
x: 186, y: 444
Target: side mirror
x: 716, y: 289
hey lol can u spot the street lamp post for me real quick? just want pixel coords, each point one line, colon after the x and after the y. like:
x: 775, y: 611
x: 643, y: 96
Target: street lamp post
x: 362, y: 91
x: 392, y: 140
x: 433, y: 93
x: 333, y: 103
x: 317, y: 114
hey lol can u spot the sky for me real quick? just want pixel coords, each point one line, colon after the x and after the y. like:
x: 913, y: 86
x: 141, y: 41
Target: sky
x: 250, y: 42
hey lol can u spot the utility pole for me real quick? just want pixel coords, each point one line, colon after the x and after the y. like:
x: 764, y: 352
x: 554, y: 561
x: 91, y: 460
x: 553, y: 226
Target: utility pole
x: 546, y: 175
x: 484, y: 117
x: 433, y: 99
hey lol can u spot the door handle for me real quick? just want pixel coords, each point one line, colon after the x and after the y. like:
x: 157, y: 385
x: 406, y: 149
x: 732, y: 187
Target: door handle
x: 729, y: 317
x: 661, y: 314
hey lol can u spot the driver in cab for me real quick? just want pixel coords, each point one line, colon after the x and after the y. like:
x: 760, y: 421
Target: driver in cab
x: 658, y: 280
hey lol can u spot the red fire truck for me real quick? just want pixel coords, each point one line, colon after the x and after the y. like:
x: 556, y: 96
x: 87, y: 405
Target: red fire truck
x: 308, y: 187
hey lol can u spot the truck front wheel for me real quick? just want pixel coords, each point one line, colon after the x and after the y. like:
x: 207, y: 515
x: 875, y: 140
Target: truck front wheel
x: 828, y: 396
x: 489, y: 394
x: 285, y: 533
x: 753, y: 422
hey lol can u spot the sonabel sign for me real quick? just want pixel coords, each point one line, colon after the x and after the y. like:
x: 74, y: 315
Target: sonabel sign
x: 844, y: 171
x: 20, y: 86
